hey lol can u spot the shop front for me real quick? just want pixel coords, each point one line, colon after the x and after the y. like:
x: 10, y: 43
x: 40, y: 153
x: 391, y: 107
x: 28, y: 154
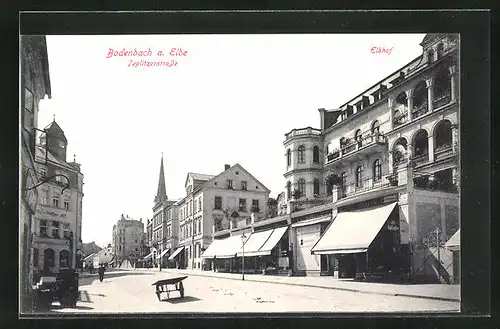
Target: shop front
x: 366, y: 243
x: 176, y: 259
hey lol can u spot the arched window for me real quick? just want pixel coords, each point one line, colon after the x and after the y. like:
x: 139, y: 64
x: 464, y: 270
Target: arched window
x: 302, y: 154
x: 377, y: 170
x: 288, y: 157
x: 342, y: 142
x: 421, y: 143
x: 316, y: 154
x: 329, y: 187
x: 359, y: 176
x: 430, y: 56
x: 316, y: 186
x: 375, y: 127
x: 443, y: 135
x: 288, y: 190
x: 64, y: 258
x: 302, y: 186
x: 442, y: 84
x: 48, y: 258
x: 357, y: 135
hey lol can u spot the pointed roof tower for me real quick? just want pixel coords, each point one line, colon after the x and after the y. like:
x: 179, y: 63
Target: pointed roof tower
x: 161, y: 194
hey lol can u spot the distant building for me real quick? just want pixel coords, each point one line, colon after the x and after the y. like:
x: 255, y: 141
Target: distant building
x: 128, y: 240
x: 216, y: 207
x: 59, y: 214
x: 90, y: 248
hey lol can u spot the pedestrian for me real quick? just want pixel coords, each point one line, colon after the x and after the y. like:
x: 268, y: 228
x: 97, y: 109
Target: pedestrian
x: 101, y: 272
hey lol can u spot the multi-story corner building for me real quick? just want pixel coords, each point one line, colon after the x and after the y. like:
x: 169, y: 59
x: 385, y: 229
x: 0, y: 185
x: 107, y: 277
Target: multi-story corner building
x: 164, y: 224
x: 128, y: 235
x: 378, y: 181
x: 35, y: 84
x: 216, y: 207
x: 58, y: 226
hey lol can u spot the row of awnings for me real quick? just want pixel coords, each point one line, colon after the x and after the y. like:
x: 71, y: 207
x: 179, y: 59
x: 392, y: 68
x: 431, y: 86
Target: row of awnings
x: 257, y: 244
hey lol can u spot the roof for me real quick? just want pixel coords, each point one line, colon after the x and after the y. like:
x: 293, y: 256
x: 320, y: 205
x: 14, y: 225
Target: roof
x: 430, y: 37
x: 161, y: 193
x: 244, y: 170
x: 197, y: 176
x: 40, y: 152
x: 54, y: 129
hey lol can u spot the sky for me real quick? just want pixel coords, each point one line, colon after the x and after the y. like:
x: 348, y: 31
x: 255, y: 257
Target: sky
x: 229, y: 100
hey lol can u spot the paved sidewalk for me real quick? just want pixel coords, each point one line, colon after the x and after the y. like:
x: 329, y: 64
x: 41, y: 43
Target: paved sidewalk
x: 445, y: 292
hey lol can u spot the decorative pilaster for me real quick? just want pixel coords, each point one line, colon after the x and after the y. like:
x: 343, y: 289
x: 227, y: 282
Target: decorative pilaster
x: 409, y: 97
x: 430, y: 147
x: 453, y: 73
x: 430, y: 93
x: 454, y: 138
x: 390, y: 103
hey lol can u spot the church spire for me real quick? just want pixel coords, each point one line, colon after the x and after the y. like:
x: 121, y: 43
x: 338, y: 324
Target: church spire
x: 161, y: 194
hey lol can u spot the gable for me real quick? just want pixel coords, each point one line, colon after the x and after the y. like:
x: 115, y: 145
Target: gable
x: 237, y: 174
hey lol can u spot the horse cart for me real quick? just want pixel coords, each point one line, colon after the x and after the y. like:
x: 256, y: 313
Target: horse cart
x: 162, y: 286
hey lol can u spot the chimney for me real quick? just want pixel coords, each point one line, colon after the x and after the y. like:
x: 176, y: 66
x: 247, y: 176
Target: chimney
x: 322, y: 118
x: 226, y: 167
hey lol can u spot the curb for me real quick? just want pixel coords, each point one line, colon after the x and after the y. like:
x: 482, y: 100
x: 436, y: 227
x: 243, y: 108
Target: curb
x: 335, y: 288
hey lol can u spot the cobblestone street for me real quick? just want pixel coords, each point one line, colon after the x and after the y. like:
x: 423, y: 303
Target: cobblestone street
x: 133, y: 292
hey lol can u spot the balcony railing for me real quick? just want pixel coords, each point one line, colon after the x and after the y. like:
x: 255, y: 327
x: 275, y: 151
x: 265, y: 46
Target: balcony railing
x: 376, y: 138
x: 303, y: 131
x: 367, y: 185
x: 420, y: 159
x: 443, y: 152
x: 400, y: 119
x: 420, y: 110
x: 442, y: 100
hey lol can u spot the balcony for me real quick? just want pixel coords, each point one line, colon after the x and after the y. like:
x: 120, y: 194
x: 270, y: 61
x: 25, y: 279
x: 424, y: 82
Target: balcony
x: 420, y: 110
x: 443, y: 152
x: 302, y: 132
x: 354, y: 149
x: 367, y: 185
x: 400, y: 119
x: 420, y: 159
x: 442, y: 100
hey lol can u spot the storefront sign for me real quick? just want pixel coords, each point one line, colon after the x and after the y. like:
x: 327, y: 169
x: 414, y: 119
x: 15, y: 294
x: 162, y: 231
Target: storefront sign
x: 52, y: 213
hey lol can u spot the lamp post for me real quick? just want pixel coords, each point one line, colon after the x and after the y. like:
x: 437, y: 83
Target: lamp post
x: 243, y: 237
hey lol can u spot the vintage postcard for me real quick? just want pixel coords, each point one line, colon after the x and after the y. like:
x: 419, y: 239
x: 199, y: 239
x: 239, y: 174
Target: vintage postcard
x: 220, y: 173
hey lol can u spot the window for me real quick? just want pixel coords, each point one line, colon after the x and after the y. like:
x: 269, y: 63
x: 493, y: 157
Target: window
x: 199, y: 225
x: 66, y: 204
x: 344, y: 178
x: 43, y: 227
x: 243, y: 185
x: 66, y: 230
x: 218, y: 202
x: 45, y: 197
x: 229, y: 184
x: 316, y: 154
x: 199, y: 204
x: 376, y: 127
x: 48, y: 257
x: 55, y: 229
x: 302, y: 154
x: 55, y: 202
x: 377, y: 170
x: 288, y: 157
x: 249, y: 220
x: 302, y: 186
x: 316, y: 186
x: 359, y: 176
x: 255, y: 202
x: 29, y: 105
x: 43, y: 173
x: 288, y: 190
x: 243, y: 205
x: 64, y: 258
